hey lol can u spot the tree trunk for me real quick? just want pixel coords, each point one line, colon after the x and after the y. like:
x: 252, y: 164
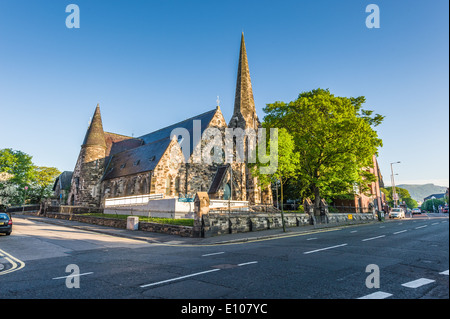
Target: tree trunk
x: 316, y: 201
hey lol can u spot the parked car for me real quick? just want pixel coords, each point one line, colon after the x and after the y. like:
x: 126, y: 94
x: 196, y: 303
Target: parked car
x: 416, y: 211
x: 397, y: 213
x: 5, y: 224
x: 445, y: 209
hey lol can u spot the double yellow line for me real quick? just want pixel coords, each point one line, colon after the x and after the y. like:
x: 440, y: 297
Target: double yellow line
x: 16, y: 263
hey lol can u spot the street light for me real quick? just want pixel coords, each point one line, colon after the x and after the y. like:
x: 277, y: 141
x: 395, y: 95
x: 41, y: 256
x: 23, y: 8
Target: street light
x: 394, y: 194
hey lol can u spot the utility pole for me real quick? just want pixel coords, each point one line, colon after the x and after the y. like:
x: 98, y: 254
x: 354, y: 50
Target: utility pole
x: 394, y: 193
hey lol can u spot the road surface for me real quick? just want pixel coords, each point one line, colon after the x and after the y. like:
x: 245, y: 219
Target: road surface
x: 400, y: 259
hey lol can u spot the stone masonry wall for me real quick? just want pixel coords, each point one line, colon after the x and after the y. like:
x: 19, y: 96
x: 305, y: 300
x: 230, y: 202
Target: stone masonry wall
x: 220, y: 224
x: 85, y: 186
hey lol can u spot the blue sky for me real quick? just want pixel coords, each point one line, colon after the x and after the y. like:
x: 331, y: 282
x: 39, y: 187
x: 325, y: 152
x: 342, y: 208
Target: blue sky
x: 153, y: 63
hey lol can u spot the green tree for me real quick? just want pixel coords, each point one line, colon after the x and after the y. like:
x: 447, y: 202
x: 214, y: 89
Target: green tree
x: 41, y: 186
x: 403, y: 195
x: 285, y: 160
x: 20, y: 166
x: 432, y: 205
x: 334, y: 139
x: 21, y: 180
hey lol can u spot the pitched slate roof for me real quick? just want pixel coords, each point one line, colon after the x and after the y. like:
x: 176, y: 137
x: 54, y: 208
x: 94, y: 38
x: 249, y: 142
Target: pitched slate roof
x: 64, y: 180
x: 218, y: 178
x: 116, y: 143
x: 188, y: 124
x: 137, y: 160
x: 130, y: 157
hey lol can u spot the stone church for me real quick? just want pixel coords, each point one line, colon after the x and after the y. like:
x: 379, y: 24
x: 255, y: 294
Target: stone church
x: 111, y: 165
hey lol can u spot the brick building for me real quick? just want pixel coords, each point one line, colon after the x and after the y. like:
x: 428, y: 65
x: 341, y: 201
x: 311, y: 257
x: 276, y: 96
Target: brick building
x: 374, y: 197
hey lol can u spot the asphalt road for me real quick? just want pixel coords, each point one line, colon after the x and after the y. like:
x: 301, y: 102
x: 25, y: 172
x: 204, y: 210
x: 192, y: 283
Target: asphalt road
x: 407, y: 259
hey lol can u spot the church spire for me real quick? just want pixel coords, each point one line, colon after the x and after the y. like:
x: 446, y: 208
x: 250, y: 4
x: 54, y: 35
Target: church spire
x: 244, y: 114
x: 95, y: 135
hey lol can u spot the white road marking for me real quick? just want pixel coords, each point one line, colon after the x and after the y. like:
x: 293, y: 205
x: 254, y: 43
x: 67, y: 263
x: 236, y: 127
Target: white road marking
x: 192, y: 275
x: 179, y: 278
x: 311, y: 238
x: 250, y: 262
x: 421, y: 226
x: 418, y: 283
x: 444, y: 272
x: 212, y: 254
x: 372, y: 238
x: 353, y: 231
x: 326, y: 248
x: 16, y: 264
x: 377, y: 295
x: 73, y: 275
x: 435, y: 224
x: 401, y: 231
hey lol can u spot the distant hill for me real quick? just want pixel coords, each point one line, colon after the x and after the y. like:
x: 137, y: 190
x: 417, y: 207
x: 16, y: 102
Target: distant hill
x: 419, y: 192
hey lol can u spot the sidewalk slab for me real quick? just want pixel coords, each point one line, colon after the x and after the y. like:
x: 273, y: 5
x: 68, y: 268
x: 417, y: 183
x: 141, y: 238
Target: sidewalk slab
x: 166, y: 239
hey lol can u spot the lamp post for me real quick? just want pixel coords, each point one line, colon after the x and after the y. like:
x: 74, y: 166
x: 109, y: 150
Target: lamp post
x: 394, y: 194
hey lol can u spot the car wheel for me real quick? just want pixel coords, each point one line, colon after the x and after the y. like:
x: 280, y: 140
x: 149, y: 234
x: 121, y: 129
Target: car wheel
x: 8, y: 233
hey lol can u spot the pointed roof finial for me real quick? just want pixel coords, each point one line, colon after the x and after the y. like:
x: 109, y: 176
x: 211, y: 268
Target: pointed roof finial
x: 95, y: 135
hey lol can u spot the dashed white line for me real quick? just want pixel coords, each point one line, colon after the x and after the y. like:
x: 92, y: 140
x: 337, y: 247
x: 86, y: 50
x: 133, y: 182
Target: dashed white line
x: 444, y: 272
x: 248, y: 263
x: 372, y: 238
x: 418, y: 283
x: 353, y: 231
x: 421, y: 226
x: 212, y: 254
x: 192, y: 275
x: 313, y: 238
x: 74, y: 275
x: 377, y: 295
x: 321, y: 249
x: 401, y: 231
x: 179, y: 278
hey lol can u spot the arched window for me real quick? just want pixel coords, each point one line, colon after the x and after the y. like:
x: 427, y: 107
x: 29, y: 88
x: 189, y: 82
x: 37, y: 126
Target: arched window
x: 226, y: 191
x: 168, y: 185
x: 129, y: 188
x: 177, y: 185
x: 144, y: 186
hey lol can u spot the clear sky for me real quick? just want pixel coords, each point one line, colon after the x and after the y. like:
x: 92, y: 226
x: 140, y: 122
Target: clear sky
x: 153, y: 63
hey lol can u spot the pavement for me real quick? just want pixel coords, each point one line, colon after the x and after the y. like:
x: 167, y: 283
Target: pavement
x: 166, y: 239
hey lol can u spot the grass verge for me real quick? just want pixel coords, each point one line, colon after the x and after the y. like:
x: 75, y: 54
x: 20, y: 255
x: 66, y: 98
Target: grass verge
x: 170, y: 221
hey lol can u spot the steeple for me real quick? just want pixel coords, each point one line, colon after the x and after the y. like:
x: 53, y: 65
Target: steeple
x: 95, y: 135
x: 85, y: 186
x: 244, y: 114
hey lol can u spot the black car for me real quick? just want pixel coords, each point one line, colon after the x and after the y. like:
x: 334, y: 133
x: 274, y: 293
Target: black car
x: 5, y: 224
